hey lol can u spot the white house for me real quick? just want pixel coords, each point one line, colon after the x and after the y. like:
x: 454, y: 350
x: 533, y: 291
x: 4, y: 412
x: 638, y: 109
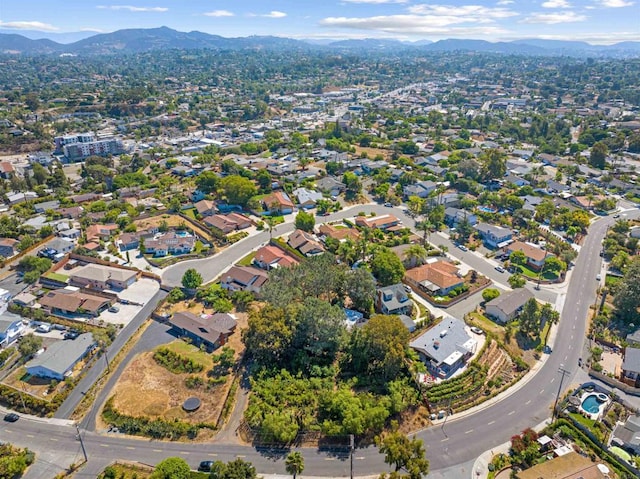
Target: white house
x: 58, y: 361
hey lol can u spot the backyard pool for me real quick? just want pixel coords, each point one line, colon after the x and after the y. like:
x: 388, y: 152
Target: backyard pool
x: 182, y: 234
x: 486, y: 209
x: 594, y: 403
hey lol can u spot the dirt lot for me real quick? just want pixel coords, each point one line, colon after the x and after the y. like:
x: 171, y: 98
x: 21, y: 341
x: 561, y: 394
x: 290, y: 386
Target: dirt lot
x: 372, y: 152
x: 172, y: 221
x: 148, y: 389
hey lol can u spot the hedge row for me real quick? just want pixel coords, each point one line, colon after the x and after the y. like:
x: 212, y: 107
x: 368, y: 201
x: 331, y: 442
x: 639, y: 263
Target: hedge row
x: 175, y: 362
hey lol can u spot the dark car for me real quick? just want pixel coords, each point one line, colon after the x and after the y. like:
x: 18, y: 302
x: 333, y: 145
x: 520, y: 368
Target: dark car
x: 71, y: 334
x: 11, y: 417
x: 205, y: 466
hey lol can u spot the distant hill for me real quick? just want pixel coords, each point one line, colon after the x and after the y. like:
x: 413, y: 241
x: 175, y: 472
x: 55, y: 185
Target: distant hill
x: 163, y: 38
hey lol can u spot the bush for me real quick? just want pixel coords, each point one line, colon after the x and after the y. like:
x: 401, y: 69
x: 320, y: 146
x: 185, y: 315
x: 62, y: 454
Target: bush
x: 193, y: 382
x: 176, y: 363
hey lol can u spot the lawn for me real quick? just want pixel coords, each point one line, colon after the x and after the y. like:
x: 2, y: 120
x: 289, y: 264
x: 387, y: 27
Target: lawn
x: 610, y: 281
x: 190, y: 351
x: 62, y: 278
x: 621, y: 453
x: 191, y: 213
x: 486, y: 324
x: 247, y: 260
x: 530, y: 273
x: 276, y: 219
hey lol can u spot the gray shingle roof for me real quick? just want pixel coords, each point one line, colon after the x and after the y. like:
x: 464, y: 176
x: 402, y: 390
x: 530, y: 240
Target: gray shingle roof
x: 393, y: 297
x: 631, y: 360
x: 442, y: 340
x: 511, y: 301
x: 61, y: 356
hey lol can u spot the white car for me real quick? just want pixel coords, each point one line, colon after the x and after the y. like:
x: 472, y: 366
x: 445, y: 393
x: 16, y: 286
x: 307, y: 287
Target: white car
x: 476, y: 330
x: 598, y: 277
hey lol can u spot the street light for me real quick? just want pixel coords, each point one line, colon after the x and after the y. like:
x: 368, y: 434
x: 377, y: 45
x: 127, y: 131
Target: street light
x: 563, y: 373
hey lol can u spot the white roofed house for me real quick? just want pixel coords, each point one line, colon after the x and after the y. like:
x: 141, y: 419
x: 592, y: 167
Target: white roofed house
x: 445, y: 347
x: 306, y: 198
x: 11, y: 326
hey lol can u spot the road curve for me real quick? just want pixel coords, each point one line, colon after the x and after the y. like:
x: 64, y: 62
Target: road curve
x: 456, y: 443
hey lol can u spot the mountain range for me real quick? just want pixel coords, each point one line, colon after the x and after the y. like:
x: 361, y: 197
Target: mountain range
x: 163, y: 38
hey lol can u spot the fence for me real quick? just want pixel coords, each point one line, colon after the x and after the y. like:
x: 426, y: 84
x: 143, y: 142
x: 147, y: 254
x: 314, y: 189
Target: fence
x: 614, y: 383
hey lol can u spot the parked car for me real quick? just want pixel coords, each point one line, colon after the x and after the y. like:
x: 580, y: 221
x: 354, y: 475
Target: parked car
x: 114, y: 309
x: 11, y: 417
x: 71, y: 334
x: 462, y: 247
x: 598, y: 277
x: 476, y: 330
x: 500, y: 269
x: 388, y: 205
x: 616, y: 216
x: 205, y: 466
x: 43, y: 328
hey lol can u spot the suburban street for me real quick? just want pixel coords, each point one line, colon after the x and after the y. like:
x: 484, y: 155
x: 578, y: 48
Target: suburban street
x: 449, y: 447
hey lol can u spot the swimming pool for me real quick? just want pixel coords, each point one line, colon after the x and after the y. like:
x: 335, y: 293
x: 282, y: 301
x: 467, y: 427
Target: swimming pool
x: 594, y: 403
x: 486, y: 209
x: 182, y: 234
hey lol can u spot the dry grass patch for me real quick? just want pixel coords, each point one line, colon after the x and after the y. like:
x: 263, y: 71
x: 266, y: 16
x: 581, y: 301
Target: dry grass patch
x: 173, y: 221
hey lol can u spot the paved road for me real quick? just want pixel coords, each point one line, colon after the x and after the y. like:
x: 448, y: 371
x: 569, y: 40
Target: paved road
x: 68, y: 406
x: 449, y: 448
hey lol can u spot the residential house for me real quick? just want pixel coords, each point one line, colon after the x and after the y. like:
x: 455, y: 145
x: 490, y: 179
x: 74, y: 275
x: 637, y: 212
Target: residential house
x: 454, y: 216
x: 64, y: 302
x: 567, y: 466
x: 171, y: 242
x: 494, y: 236
x: 633, y: 339
x: 85, y: 198
x: 228, y: 223
x: 421, y: 189
x: 278, y: 203
x: 515, y: 180
x: 129, y: 241
x: 535, y: 256
x: 205, y: 208
x: 11, y: 327
x: 507, y: 306
x: 586, y: 202
x: 243, y: 278
x: 393, y: 299
x: 70, y: 234
x: 8, y: 247
x: 305, y: 242
x: 46, y: 205
x: 270, y: 257
x: 61, y: 245
x: 631, y: 366
x: 627, y: 435
x: 100, y: 232
x: 330, y: 185
x: 210, y: 331
x: 24, y: 299
x: 101, y: 277
x: 306, y: 198
x: 21, y: 197
x: 341, y: 234
x: 6, y: 170
x: 72, y: 212
x: 382, y: 222
x: 445, y: 347
x: 437, y: 278
x: 59, y: 359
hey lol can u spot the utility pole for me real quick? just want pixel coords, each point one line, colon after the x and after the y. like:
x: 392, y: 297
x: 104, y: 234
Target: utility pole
x: 84, y: 451
x: 563, y: 373
x: 351, y: 448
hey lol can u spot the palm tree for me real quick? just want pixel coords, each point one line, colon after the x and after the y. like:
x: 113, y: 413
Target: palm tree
x: 424, y: 226
x: 271, y: 224
x: 294, y: 463
x: 415, y: 255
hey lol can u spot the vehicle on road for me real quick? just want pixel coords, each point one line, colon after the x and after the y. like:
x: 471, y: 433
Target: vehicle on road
x: 616, y: 216
x: 476, y: 330
x: 462, y: 247
x: 500, y: 269
x: 388, y: 205
x: 71, y: 334
x: 205, y: 466
x: 11, y: 417
x: 598, y: 277
x: 408, y: 289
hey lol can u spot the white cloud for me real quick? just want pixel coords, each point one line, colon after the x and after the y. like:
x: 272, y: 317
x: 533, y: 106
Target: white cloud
x: 274, y: 14
x: 481, y: 12
x: 413, y: 24
x: 376, y: 2
x: 131, y: 8
x: 554, y: 18
x: 556, y: 4
x: 43, y: 27
x: 219, y: 13
x: 505, y: 2
x: 615, y: 3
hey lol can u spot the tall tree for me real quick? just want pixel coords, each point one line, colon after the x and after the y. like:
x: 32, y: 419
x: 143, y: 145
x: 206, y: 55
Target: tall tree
x: 361, y: 289
x: 414, y: 255
x: 305, y: 221
x: 627, y: 298
x: 191, y: 280
x: 237, y: 189
x: 529, y: 319
x: 294, y: 463
x: 404, y: 454
x: 598, y: 157
x: 494, y: 164
x: 386, y: 266
x: 172, y: 468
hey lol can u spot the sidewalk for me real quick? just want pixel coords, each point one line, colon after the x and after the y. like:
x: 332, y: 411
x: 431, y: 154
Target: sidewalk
x: 45, y: 420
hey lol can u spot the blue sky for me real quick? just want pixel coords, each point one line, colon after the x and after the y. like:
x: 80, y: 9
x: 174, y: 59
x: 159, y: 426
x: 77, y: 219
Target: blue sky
x: 595, y: 21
